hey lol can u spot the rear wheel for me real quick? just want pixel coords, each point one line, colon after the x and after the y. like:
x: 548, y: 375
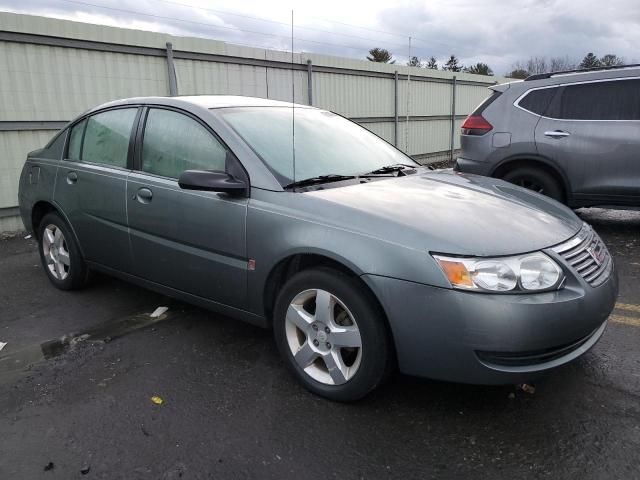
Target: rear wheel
x: 60, y: 254
x: 537, y: 180
x: 331, y: 334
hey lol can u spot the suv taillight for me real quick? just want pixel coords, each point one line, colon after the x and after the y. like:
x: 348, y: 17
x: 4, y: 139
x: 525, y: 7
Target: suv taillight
x: 475, y: 125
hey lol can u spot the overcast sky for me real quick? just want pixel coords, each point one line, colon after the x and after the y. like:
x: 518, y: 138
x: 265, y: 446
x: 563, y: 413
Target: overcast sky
x: 492, y: 31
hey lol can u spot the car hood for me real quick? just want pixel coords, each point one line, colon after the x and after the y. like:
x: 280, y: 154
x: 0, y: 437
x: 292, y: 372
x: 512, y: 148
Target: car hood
x: 451, y: 213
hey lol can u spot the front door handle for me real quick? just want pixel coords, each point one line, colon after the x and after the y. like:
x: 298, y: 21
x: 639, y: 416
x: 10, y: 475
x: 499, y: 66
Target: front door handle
x: 144, y: 195
x: 72, y: 177
x: 556, y: 134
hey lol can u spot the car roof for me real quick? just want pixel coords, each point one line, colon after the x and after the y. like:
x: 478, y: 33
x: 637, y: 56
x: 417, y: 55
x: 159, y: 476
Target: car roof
x: 203, y: 101
x: 559, y: 78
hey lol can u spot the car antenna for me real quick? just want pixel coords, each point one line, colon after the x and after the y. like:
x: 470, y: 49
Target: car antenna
x: 293, y: 107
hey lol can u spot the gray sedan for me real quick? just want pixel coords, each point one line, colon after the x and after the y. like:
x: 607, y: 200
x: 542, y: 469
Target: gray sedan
x: 359, y: 259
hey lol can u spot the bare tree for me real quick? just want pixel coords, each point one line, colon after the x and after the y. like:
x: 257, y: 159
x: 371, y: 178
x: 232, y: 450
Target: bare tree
x: 611, y: 60
x: 537, y: 65
x: 558, y: 64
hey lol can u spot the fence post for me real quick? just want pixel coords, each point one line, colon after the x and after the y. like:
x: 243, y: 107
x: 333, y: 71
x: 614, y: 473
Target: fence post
x: 171, y: 70
x: 395, y: 109
x: 453, y: 117
x: 310, y: 81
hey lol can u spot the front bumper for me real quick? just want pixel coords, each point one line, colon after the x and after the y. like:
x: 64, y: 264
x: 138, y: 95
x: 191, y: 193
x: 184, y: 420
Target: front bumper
x: 482, y: 338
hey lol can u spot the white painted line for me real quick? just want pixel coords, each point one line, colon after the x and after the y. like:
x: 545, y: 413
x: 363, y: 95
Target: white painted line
x: 159, y: 311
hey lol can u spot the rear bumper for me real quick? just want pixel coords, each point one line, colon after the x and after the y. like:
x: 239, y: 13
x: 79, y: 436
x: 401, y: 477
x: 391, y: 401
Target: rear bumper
x: 491, y: 339
x: 466, y: 165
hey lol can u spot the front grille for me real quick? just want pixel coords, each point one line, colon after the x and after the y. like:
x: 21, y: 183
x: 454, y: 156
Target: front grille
x: 587, y: 255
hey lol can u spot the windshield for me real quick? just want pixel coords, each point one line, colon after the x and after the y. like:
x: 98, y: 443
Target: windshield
x: 325, y: 143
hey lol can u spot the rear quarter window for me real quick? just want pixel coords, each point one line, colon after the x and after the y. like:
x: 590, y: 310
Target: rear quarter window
x: 537, y: 101
x: 54, y: 148
x: 75, y: 141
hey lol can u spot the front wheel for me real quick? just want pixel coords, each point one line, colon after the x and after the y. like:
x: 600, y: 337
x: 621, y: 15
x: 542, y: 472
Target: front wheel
x: 331, y: 334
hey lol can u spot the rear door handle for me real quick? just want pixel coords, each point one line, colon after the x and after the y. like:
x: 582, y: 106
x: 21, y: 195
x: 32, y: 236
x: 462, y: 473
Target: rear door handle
x: 144, y: 195
x: 556, y: 134
x: 72, y: 177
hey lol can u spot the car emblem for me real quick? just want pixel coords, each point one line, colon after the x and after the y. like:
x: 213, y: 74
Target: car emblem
x: 597, y: 253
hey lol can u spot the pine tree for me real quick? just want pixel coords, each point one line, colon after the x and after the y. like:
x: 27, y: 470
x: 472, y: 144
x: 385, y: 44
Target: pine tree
x: 380, y: 55
x: 432, y: 63
x: 414, y: 62
x: 480, y: 69
x: 452, y: 64
x: 590, y: 61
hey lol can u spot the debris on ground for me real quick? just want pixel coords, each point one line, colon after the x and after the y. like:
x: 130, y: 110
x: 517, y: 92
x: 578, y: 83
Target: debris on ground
x: 527, y: 388
x: 27, y: 237
x: 157, y: 400
x: 49, y: 466
x: 2, y: 345
x: 86, y: 469
x: 159, y: 311
x: 511, y: 396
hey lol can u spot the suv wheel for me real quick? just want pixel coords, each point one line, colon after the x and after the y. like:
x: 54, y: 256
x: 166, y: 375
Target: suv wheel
x: 537, y: 180
x: 60, y: 255
x: 331, y: 334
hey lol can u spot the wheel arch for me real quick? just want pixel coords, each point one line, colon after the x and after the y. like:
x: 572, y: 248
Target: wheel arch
x: 535, y: 161
x: 43, y: 207
x: 296, y: 262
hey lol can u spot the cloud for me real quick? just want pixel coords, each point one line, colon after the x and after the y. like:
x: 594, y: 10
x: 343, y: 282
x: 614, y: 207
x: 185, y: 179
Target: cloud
x: 492, y: 31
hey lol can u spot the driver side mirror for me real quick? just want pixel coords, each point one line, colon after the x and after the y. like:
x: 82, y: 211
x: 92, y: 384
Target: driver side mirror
x: 212, y: 181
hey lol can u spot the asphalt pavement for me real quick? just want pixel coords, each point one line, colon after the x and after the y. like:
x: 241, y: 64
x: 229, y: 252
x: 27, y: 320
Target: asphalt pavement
x: 225, y: 407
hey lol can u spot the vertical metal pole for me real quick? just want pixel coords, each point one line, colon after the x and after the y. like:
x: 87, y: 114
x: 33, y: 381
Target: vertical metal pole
x: 395, y: 108
x: 310, y: 82
x: 171, y: 70
x: 406, y: 127
x: 453, y: 117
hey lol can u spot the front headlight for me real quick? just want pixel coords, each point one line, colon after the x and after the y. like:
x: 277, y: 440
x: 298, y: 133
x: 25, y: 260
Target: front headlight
x: 523, y: 273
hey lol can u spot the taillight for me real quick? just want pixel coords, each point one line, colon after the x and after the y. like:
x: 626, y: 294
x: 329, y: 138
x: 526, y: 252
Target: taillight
x: 475, y: 125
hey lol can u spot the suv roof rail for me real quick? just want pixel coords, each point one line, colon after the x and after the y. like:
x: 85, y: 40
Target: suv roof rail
x: 540, y: 76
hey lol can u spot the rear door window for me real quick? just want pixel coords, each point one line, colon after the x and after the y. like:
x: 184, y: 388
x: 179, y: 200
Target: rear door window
x: 611, y: 100
x: 106, y: 138
x: 174, y: 142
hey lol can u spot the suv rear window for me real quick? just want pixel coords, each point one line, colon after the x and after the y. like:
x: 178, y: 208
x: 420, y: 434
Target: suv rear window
x: 486, y: 102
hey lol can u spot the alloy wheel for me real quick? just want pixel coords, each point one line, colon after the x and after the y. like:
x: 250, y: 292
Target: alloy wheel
x: 530, y: 184
x: 56, y: 253
x: 323, y: 337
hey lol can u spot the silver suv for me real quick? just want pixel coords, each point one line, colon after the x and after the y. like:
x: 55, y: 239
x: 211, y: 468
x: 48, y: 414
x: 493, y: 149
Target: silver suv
x: 574, y: 136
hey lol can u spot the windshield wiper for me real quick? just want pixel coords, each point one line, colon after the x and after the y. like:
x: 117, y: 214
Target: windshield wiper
x: 398, y: 167
x: 332, y: 177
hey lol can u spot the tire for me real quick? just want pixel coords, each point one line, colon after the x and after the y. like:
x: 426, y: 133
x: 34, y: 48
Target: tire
x: 537, y: 180
x: 353, y: 318
x: 60, y: 254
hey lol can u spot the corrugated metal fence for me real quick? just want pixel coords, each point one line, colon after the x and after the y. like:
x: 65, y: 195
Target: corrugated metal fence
x: 52, y: 70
